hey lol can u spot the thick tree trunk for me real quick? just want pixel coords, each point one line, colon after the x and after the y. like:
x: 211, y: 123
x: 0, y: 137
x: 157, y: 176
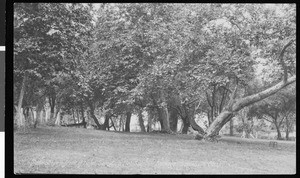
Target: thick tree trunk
x: 39, y: 109
x: 20, y: 117
x: 235, y: 105
x: 127, y: 124
x: 173, y: 120
x: 164, y: 119
x: 57, y: 118
x: 141, y: 121
x: 52, y: 119
x: 106, y: 122
x: 186, y: 125
x: 150, y: 119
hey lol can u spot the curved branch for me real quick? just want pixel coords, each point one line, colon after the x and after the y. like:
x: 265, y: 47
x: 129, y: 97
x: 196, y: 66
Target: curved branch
x: 284, y: 67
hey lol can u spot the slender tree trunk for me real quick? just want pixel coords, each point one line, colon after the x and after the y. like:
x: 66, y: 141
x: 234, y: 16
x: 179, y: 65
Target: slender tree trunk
x: 20, y: 118
x: 141, y: 121
x: 127, y: 124
x: 234, y: 105
x: 287, y: 131
x: 78, y: 116
x: 82, y: 115
x: 120, y: 123
x: 73, y: 114
x: 231, y: 127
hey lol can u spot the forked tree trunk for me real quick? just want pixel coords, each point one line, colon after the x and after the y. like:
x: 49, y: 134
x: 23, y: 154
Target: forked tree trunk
x: 20, y: 117
x: 277, y: 126
x: 141, y: 121
x: 92, y: 109
x: 235, y: 105
x: 127, y: 124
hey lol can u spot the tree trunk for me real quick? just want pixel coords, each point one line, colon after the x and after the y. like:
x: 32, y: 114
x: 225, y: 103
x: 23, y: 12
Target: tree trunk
x: 106, y: 122
x: 278, y: 130
x: 127, y: 124
x: 93, y: 115
x: 56, y: 116
x: 186, y: 125
x: 195, y: 126
x: 120, y: 123
x: 234, y: 105
x: 20, y: 118
x: 52, y: 119
x: 82, y: 115
x: 231, y: 127
x: 287, y: 131
x: 141, y: 121
x: 173, y: 120
x: 150, y: 118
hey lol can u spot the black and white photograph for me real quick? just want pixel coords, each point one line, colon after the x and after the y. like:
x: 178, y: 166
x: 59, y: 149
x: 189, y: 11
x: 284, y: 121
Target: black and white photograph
x: 154, y: 88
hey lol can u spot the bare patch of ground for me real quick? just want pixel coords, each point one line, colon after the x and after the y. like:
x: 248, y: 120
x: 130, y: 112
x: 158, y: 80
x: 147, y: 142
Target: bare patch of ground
x: 82, y: 151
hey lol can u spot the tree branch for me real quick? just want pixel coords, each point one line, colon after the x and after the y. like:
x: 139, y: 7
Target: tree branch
x: 285, y: 74
x: 248, y: 100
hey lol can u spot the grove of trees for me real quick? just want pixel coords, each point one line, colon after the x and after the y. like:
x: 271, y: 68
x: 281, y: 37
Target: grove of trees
x: 172, y: 61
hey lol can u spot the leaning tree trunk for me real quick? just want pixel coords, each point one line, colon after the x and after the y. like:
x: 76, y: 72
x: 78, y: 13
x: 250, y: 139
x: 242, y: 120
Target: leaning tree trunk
x: 20, y: 117
x: 127, y: 123
x: 92, y: 109
x: 141, y: 121
x: 234, y: 105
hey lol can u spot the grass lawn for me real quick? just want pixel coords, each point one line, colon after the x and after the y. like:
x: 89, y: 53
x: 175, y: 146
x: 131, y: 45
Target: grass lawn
x: 63, y: 150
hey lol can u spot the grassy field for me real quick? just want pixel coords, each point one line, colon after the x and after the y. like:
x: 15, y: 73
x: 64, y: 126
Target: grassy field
x: 63, y: 150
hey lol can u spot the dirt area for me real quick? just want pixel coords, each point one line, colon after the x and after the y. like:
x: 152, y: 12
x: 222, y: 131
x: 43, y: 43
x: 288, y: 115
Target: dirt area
x: 63, y: 150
